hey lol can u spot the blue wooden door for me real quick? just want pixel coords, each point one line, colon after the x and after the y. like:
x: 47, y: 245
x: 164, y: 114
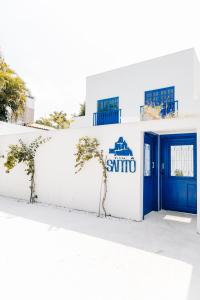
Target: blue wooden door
x: 179, y: 173
x: 150, y: 195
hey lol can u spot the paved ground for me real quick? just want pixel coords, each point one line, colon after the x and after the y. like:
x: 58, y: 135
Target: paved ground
x: 52, y: 253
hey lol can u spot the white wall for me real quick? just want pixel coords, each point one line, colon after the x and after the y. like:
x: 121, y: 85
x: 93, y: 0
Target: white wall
x: 81, y: 122
x: 10, y: 128
x: 30, y: 103
x: 57, y: 183
x: 196, y: 79
x: 60, y: 184
x: 130, y: 83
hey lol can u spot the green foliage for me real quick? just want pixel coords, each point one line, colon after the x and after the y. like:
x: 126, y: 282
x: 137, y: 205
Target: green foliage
x: 178, y: 172
x: 13, y: 93
x: 81, y: 110
x: 87, y: 149
x: 57, y: 120
x: 23, y: 153
x: 45, y: 121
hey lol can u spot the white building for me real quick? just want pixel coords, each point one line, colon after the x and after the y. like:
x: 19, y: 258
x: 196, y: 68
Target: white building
x: 29, y: 111
x: 27, y: 116
x: 147, y: 119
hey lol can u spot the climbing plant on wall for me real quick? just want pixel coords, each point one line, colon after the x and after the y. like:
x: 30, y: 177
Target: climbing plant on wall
x: 23, y: 153
x: 87, y: 149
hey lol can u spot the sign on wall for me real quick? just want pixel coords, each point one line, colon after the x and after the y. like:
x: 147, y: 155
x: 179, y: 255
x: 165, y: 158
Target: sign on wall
x: 122, y: 159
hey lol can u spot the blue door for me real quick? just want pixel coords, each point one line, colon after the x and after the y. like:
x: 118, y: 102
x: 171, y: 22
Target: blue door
x: 150, y: 191
x: 179, y: 172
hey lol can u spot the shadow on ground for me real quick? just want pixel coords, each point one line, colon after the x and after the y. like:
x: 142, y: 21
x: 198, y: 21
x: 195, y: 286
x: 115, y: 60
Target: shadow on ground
x: 177, y: 240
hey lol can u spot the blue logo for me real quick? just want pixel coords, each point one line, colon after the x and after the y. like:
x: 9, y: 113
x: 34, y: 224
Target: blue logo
x: 123, y: 160
x: 121, y: 148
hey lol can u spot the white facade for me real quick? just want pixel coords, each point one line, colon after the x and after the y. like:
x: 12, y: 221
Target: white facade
x: 28, y: 115
x: 56, y: 181
x: 181, y: 70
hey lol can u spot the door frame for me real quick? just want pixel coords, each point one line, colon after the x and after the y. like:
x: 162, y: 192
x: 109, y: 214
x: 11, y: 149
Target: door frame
x: 174, y: 136
x: 156, y: 160
x: 158, y: 155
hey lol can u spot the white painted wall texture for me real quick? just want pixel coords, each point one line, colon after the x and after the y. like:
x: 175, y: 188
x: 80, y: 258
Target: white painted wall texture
x: 129, y: 84
x: 57, y: 183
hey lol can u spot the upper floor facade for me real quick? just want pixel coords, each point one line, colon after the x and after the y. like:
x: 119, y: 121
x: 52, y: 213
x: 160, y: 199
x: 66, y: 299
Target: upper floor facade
x: 164, y: 87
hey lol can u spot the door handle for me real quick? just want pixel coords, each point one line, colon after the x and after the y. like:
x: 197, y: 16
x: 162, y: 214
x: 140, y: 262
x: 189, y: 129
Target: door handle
x: 162, y: 168
x: 153, y: 165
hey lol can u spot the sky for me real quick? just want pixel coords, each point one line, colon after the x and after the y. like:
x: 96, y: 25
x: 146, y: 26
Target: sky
x: 55, y: 44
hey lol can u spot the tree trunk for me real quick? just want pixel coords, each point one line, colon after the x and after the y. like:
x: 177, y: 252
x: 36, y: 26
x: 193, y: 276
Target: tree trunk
x: 99, y: 212
x: 104, y: 197
x: 32, y: 187
x: 105, y: 188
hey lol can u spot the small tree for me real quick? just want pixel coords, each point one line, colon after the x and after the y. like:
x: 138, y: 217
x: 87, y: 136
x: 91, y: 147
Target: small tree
x: 81, y: 110
x: 57, y: 120
x: 21, y: 152
x: 13, y: 93
x: 45, y: 122
x: 87, y: 149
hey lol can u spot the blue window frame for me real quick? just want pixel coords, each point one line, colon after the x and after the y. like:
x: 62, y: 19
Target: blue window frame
x: 108, y: 104
x: 163, y: 100
x: 108, y: 112
x: 160, y: 96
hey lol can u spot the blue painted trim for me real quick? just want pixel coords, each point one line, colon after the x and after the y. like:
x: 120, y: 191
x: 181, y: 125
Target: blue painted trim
x: 108, y: 112
x: 105, y: 118
x: 159, y: 96
x: 108, y: 104
x: 150, y: 183
x: 182, y: 182
x: 164, y: 98
x: 120, y: 115
x: 179, y: 135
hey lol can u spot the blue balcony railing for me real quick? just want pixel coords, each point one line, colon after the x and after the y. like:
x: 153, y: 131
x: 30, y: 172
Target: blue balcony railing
x: 107, y: 117
x: 165, y: 110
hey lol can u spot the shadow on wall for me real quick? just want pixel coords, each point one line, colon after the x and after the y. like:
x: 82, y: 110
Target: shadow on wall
x: 157, y: 234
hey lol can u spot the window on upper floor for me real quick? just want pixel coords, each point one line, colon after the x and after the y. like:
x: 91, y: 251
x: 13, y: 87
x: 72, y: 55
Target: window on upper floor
x: 160, y: 96
x: 108, y: 112
x: 159, y: 103
x: 108, y: 104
